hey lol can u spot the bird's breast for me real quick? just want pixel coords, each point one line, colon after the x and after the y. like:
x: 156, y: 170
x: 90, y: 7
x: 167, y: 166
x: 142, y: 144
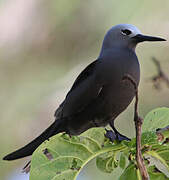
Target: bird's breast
x: 117, y: 93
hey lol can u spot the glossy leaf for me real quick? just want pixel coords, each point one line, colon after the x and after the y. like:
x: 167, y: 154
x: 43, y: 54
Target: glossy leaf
x: 62, y: 157
x: 155, y: 174
x: 108, y: 161
x: 129, y: 173
x: 122, y: 162
x: 160, y: 160
x: 157, y: 118
x: 105, y: 164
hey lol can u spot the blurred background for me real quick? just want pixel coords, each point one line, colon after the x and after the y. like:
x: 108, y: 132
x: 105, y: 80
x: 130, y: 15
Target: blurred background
x: 44, y: 45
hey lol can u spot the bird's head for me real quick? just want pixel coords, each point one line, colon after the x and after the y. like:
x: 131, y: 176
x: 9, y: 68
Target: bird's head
x: 126, y: 35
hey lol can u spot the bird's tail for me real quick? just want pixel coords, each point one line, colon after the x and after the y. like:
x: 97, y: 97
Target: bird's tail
x: 28, y: 149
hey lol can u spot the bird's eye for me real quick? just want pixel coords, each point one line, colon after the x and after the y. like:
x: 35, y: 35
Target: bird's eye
x: 126, y: 32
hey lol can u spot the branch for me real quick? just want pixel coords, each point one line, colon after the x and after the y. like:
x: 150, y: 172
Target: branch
x: 161, y: 76
x: 138, y: 124
x: 163, y: 134
x: 26, y: 168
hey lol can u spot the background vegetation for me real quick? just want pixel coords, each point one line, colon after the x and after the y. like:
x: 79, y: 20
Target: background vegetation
x: 43, y: 47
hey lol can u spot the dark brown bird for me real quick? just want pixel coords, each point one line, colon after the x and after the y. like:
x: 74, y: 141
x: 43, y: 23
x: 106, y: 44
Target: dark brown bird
x: 98, y: 95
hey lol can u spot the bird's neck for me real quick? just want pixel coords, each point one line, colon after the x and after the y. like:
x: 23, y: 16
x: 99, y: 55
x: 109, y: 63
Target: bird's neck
x: 110, y: 45
x: 105, y: 50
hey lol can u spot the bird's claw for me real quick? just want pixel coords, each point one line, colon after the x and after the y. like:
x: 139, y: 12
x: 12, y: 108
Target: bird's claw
x: 112, y: 136
x: 121, y: 137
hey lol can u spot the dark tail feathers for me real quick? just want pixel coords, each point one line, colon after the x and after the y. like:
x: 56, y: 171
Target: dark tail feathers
x: 27, y: 150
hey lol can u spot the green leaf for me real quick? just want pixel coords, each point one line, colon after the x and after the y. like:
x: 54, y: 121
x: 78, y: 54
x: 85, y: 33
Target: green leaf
x: 129, y: 173
x: 155, y: 174
x: 156, y: 158
x: 122, y: 162
x: 63, y: 157
x: 157, y: 118
x: 147, y: 138
x: 108, y: 162
x: 160, y: 148
x: 105, y: 164
x: 164, y: 153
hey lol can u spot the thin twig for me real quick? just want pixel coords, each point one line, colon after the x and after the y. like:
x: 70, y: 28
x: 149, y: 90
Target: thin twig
x: 161, y: 76
x: 138, y: 125
x: 161, y: 134
x: 26, y: 168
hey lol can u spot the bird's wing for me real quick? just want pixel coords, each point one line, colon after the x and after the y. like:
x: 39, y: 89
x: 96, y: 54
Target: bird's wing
x: 83, y: 91
x: 84, y: 75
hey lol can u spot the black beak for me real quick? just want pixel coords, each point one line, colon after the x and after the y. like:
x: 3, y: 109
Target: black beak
x: 140, y: 38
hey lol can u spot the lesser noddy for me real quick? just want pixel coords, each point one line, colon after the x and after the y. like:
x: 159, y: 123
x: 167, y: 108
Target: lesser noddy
x: 98, y: 95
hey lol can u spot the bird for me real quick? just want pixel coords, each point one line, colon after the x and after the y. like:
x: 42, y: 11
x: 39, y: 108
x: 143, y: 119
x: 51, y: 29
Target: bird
x: 98, y: 95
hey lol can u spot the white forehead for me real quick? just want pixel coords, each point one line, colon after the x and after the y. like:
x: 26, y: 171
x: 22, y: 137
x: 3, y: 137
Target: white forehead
x: 130, y: 27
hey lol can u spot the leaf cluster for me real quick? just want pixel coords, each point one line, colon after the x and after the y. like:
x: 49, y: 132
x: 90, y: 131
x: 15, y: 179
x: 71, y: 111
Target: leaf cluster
x: 63, y: 157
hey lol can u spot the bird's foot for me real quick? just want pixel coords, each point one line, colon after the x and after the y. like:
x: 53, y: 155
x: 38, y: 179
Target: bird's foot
x: 121, y: 137
x: 112, y: 136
